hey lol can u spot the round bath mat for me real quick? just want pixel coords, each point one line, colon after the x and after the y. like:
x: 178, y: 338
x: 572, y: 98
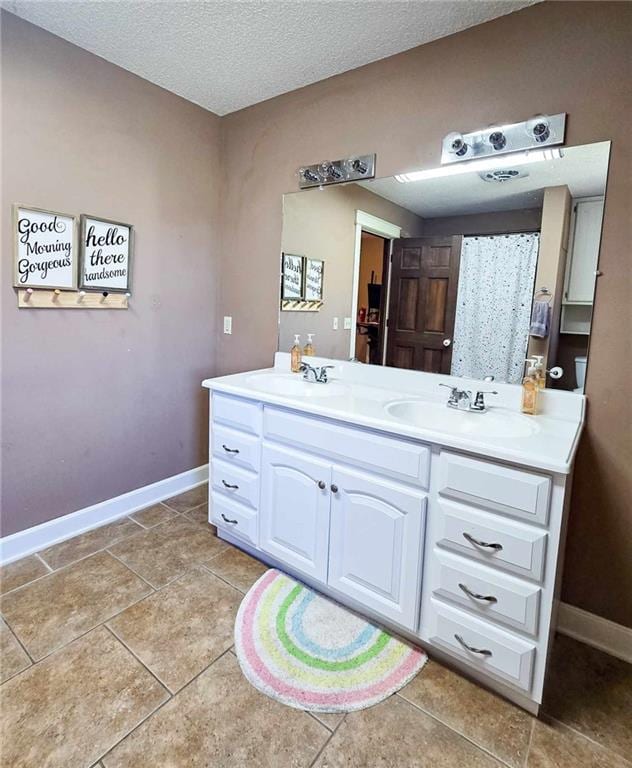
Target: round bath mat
x: 308, y: 652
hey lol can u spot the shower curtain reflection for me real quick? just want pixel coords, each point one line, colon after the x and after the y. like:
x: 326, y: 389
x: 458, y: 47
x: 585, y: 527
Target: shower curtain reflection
x: 495, y: 294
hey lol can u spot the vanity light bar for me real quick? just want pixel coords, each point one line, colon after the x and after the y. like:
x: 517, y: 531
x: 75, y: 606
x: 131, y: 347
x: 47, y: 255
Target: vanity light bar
x: 337, y: 171
x: 539, y: 131
x: 485, y: 164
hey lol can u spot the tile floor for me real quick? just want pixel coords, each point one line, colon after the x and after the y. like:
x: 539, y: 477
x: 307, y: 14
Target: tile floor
x: 116, y: 652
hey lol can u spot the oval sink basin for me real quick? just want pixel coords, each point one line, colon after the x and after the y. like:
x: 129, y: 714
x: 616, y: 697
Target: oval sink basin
x: 293, y: 385
x: 494, y: 424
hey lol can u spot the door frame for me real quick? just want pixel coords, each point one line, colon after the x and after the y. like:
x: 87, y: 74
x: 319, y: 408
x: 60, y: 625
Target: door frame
x: 366, y: 222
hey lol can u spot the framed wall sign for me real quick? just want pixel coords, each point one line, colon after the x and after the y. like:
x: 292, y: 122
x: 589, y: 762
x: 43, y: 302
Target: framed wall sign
x: 45, y: 249
x: 314, y: 273
x: 106, y: 254
x: 292, y: 276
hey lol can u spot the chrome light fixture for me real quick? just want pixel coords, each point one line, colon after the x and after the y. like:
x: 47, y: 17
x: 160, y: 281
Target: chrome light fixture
x: 539, y: 131
x: 337, y: 171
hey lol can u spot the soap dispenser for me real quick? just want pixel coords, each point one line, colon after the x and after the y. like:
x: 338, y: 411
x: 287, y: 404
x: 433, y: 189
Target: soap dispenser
x: 308, y: 350
x: 530, y: 389
x: 540, y: 373
x: 295, y: 354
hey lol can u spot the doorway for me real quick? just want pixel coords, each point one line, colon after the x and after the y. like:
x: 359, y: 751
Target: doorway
x: 374, y: 255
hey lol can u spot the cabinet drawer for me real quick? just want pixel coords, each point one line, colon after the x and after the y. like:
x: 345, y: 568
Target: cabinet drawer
x: 235, y: 518
x: 524, y: 495
x: 518, y: 548
x: 236, y: 483
x: 235, y: 447
x: 397, y: 458
x: 237, y: 413
x: 505, y: 656
x: 486, y: 592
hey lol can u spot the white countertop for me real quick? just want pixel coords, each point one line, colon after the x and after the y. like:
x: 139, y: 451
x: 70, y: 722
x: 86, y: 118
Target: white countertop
x: 367, y: 389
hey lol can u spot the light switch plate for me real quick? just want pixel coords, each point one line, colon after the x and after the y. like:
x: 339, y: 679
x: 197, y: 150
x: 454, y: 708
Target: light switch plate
x: 335, y: 326
x: 228, y: 324
x: 347, y: 324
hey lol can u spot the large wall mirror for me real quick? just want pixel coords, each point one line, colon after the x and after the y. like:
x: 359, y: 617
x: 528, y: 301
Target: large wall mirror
x: 452, y: 270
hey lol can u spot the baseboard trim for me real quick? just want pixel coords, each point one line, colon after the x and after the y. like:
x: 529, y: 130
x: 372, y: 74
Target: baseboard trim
x: 591, y: 629
x: 39, y: 537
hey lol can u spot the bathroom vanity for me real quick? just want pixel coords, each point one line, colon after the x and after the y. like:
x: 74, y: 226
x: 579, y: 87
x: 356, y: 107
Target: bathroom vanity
x: 446, y: 526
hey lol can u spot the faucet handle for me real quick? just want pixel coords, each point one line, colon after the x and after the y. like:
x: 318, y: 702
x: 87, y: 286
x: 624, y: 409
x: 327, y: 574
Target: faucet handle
x: 322, y: 373
x: 479, y: 400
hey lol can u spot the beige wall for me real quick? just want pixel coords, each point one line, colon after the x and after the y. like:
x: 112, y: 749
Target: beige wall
x: 320, y: 224
x: 97, y: 403
x: 549, y: 57
x: 556, y: 211
x: 485, y: 223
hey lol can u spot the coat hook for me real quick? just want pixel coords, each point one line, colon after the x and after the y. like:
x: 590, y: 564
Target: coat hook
x: 81, y: 296
x: 27, y: 294
x: 105, y: 295
x: 56, y: 294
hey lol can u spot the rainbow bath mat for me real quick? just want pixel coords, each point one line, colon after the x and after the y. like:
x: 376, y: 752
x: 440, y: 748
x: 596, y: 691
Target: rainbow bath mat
x: 308, y: 652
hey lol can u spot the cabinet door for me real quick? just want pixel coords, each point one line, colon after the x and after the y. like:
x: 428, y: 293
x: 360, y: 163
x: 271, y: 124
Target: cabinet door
x: 584, y: 255
x: 376, y: 544
x: 294, y: 514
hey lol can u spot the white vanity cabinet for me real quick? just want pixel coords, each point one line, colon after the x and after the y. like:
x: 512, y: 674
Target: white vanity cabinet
x: 457, y: 551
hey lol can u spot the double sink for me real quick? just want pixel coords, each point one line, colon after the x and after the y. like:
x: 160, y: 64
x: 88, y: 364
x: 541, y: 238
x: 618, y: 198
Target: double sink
x: 425, y: 414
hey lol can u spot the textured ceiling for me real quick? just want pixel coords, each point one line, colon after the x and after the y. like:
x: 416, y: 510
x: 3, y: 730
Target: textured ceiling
x: 228, y: 54
x: 583, y: 169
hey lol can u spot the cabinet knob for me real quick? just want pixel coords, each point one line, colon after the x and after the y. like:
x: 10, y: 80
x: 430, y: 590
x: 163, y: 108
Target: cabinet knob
x: 322, y: 485
x: 334, y: 488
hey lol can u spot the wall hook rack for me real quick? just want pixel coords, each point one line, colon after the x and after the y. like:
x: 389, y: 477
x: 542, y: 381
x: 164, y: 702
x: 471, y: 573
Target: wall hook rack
x: 47, y: 298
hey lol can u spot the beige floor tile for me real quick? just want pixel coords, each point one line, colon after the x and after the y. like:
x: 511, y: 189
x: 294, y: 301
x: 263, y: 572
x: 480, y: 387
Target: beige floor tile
x: 394, y: 734
x: 154, y: 515
x: 20, y: 572
x: 220, y: 720
x: 178, y: 631
x: 188, y: 499
x: 489, y: 721
x: 71, y: 708
x: 592, y: 692
x: 88, y: 543
x: 555, y: 746
x: 54, y: 610
x: 13, y: 658
x: 238, y: 568
x: 164, y: 552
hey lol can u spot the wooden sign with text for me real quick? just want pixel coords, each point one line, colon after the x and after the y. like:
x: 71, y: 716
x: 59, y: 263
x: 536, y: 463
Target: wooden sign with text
x: 45, y: 247
x: 106, y: 254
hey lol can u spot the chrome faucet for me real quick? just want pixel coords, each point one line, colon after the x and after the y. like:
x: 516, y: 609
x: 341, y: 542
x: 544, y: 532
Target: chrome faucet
x: 462, y: 399
x: 317, y: 375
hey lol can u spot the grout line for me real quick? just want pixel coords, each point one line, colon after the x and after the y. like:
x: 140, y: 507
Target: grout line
x: 41, y: 559
x: 164, y: 703
x: 606, y: 748
x: 20, y: 643
x: 149, y: 527
x: 328, y: 740
x: 122, y: 562
x: 139, y: 660
x: 221, y: 578
x: 454, y: 730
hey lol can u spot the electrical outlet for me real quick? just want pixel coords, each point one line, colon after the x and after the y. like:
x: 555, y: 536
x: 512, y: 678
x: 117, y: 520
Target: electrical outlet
x: 228, y: 324
x: 347, y: 324
x: 335, y: 325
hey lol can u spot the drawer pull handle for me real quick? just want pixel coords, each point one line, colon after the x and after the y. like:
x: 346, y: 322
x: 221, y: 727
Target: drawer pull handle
x: 228, y: 520
x: 471, y: 649
x: 230, y: 450
x: 495, y: 546
x: 228, y: 485
x: 476, y: 596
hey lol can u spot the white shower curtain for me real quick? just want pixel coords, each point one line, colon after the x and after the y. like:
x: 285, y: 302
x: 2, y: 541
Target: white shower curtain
x: 494, y: 300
